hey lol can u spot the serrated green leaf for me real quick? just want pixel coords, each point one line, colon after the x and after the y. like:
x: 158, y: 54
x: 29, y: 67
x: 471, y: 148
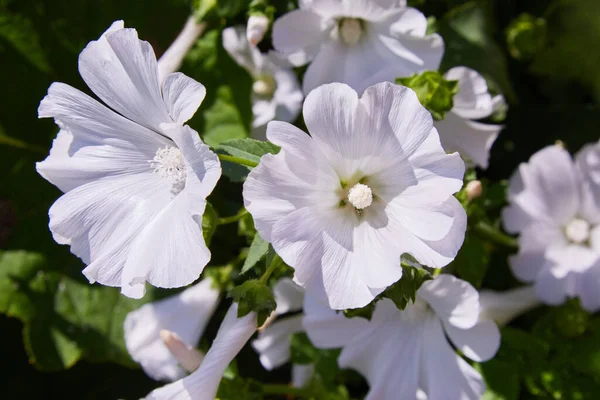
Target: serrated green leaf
x: 254, y: 296
x: 209, y: 223
x: 258, y: 249
x: 64, y: 319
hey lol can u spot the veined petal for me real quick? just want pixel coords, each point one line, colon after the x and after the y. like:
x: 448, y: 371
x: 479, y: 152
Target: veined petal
x: 454, y: 301
x: 182, y: 96
x: 186, y: 313
x: 204, y: 383
x: 122, y: 70
x: 288, y: 295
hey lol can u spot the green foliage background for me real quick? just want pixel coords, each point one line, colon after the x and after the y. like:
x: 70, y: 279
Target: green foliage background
x: 62, y: 338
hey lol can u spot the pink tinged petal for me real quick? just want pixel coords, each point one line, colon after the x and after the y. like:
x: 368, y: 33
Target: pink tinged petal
x: 182, y: 96
x: 454, y: 301
x: 479, y: 343
x: 589, y: 288
x: 473, y: 140
x: 204, y: 383
x: 186, y: 314
x: 328, y: 328
x: 299, y: 33
x: 444, y: 375
x: 274, y: 341
x: 472, y: 100
x: 288, y: 295
x: 302, y: 374
x: 502, y: 307
x: 122, y: 71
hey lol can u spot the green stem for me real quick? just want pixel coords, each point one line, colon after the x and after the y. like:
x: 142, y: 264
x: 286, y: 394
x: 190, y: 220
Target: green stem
x: 6, y: 140
x: 234, y: 218
x: 488, y: 232
x: 285, y: 390
x: 275, y: 262
x: 237, y: 160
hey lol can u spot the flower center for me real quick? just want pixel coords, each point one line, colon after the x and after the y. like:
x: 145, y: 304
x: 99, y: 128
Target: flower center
x: 265, y: 86
x: 360, y: 196
x: 578, y: 231
x: 350, y: 30
x: 168, y: 163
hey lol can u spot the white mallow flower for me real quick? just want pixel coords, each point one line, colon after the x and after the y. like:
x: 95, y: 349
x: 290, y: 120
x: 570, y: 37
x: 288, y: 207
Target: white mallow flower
x: 149, y: 330
x: 276, y: 92
x: 473, y: 140
x: 555, y: 207
x: 357, y: 42
x: 445, y: 308
x: 274, y: 338
x: 256, y: 28
x: 371, y: 182
x: 135, y: 179
x: 204, y: 382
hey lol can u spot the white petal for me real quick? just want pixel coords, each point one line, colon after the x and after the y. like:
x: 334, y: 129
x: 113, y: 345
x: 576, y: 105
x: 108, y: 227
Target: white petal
x: 472, y: 101
x: 288, y: 295
x: 299, y: 33
x: 479, y: 343
x: 288, y: 95
x: 204, y: 383
x: 182, y: 96
x: 473, y: 140
x: 327, y: 328
x: 236, y: 44
x: 444, y: 375
x: 186, y: 313
x: 589, y: 288
x: 274, y: 341
x: 554, y: 286
x: 502, y: 307
x: 588, y: 164
x: 122, y: 71
x: 454, y: 301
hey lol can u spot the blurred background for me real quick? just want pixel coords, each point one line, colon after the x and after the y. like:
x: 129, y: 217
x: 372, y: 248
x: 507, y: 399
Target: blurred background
x: 61, y: 338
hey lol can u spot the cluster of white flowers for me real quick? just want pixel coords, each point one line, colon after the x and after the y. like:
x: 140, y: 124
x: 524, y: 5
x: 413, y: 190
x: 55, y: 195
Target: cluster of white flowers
x: 371, y: 182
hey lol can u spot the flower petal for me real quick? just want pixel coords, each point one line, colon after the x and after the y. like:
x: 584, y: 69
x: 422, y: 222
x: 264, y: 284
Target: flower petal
x: 454, y: 301
x: 472, y: 101
x: 236, y: 44
x: 502, y: 307
x: 142, y: 328
x: 588, y: 288
x: 182, y: 96
x: 204, y: 383
x: 288, y: 295
x: 274, y: 341
x: 298, y: 33
x: 479, y: 343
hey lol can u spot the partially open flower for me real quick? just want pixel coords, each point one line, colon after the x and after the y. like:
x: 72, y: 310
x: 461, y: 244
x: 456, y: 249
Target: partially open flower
x: 256, y: 28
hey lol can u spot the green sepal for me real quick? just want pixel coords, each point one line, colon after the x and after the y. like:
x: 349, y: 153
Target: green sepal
x: 405, y: 289
x: 435, y: 93
x: 254, y: 296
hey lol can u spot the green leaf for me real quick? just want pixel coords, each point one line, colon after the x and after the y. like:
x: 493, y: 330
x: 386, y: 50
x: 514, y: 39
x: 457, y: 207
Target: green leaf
x: 405, y: 289
x: 209, y: 223
x: 434, y: 92
x: 64, y: 319
x: 364, y: 312
x: 239, y: 388
x: 501, y: 379
x: 254, y: 296
x: 249, y: 149
x: 258, y: 249
x: 302, y: 350
x: 223, y: 120
x: 472, y: 260
x: 21, y: 34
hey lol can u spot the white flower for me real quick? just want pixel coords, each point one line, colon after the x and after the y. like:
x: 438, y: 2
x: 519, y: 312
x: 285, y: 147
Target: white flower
x: 343, y: 249
x: 357, y: 42
x: 256, y: 28
x: 502, y: 307
x: 135, y: 180
x: 186, y: 314
x: 555, y: 207
x: 274, y: 338
x: 415, y: 338
x: 276, y: 92
x: 473, y: 140
x: 204, y: 382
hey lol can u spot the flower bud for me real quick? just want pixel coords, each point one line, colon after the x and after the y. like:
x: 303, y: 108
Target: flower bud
x: 473, y: 190
x: 256, y: 29
x: 187, y: 356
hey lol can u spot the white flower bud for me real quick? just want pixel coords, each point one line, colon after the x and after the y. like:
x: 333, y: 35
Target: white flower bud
x: 256, y: 28
x: 187, y: 356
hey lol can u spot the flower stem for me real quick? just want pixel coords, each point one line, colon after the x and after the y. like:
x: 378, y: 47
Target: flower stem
x: 8, y: 141
x: 234, y: 218
x: 275, y: 263
x: 488, y: 232
x: 237, y: 160
x: 173, y: 57
x: 285, y: 390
